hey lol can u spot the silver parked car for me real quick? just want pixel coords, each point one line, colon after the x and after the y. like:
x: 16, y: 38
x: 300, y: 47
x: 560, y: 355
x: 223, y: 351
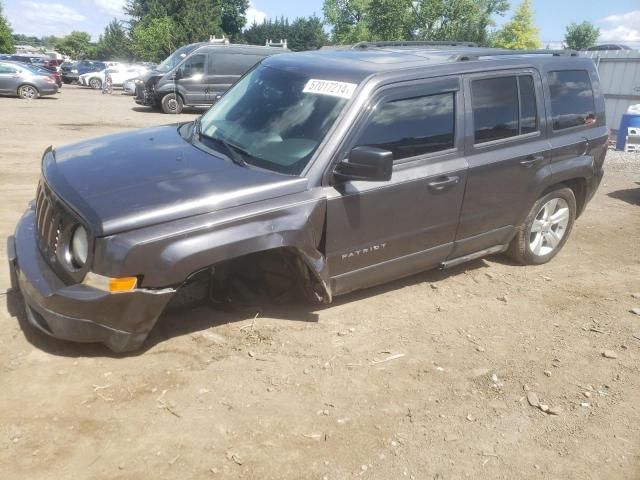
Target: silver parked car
x: 24, y: 81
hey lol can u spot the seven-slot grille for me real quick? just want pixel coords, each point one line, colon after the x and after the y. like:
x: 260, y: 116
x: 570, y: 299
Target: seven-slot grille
x: 51, y: 220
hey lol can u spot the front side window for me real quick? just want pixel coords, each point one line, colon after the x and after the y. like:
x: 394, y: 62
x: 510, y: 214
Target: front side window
x: 175, y: 58
x: 413, y: 126
x: 572, y: 102
x: 193, y: 66
x: 274, y: 118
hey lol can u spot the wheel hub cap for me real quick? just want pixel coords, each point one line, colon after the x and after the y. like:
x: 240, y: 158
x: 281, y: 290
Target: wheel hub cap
x: 549, y: 227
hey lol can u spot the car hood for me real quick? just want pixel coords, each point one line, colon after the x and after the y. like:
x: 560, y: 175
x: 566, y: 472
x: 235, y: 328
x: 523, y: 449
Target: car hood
x: 136, y: 179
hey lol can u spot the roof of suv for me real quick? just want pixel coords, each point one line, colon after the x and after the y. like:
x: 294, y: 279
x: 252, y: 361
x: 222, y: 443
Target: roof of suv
x: 357, y: 63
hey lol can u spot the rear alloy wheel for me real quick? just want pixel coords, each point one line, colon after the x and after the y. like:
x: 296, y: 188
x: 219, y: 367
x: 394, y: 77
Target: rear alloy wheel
x: 172, y: 103
x: 546, y: 229
x: 95, y: 83
x: 28, y: 92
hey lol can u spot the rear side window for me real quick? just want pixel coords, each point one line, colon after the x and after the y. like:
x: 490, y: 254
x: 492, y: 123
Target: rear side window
x: 503, y: 107
x: 572, y: 101
x: 412, y: 126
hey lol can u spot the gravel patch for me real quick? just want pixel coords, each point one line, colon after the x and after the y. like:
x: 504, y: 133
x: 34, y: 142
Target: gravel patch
x: 622, y: 161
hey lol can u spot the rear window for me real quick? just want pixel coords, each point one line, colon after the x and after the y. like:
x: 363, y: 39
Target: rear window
x: 412, y: 126
x: 572, y: 102
x: 503, y: 107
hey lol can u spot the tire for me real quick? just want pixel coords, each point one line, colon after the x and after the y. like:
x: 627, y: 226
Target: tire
x: 172, y: 103
x: 546, y: 228
x: 95, y: 83
x: 28, y: 92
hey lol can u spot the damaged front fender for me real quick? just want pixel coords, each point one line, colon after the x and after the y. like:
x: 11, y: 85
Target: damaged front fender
x: 167, y: 254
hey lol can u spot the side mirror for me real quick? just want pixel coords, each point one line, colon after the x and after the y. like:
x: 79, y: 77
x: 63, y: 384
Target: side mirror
x: 177, y: 75
x: 366, y: 163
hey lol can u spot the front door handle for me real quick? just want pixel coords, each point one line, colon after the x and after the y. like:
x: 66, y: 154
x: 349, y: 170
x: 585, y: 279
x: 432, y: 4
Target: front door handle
x: 531, y: 160
x: 442, y: 183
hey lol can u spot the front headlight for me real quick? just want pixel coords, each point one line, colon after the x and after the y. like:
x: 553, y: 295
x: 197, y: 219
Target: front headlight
x: 79, y: 247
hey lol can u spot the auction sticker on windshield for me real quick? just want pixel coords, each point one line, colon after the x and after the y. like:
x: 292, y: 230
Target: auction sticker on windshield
x: 331, y: 88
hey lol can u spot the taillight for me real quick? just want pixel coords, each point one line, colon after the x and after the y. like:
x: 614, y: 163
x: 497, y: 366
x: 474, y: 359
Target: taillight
x: 50, y: 80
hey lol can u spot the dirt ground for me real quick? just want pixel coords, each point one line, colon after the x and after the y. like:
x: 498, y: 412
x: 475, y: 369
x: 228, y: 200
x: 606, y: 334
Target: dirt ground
x: 423, y: 378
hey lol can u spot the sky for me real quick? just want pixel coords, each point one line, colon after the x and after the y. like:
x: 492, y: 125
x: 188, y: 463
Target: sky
x: 619, y: 20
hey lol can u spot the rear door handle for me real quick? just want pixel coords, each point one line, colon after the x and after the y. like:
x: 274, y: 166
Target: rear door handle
x: 442, y: 183
x: 531, y: 160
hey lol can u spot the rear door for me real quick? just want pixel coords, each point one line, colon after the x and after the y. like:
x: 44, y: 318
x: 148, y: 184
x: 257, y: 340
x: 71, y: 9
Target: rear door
x: 577, y: 132
x: 508, y: 154
x: 377, y: 231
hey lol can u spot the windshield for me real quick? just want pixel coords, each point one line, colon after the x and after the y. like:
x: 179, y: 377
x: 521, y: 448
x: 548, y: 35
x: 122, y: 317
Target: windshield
x: 175, y: 58
x: 274, y: 118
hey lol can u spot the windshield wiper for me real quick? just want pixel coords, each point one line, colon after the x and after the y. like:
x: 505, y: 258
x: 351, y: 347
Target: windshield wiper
x: 235, y: 153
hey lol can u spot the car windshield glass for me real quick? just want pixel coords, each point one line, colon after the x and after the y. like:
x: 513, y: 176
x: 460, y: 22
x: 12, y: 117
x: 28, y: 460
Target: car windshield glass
x: 175, y: 58
x: 276, y: 118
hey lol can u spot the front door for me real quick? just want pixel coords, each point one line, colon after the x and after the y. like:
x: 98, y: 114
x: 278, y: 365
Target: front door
x: 377, y: 231
x: 508, y: 154
x: 191, y: 82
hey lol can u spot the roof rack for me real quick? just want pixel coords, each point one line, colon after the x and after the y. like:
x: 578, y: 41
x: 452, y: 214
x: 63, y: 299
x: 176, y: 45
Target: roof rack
x: 412, y: 43
x: 499, y: 53
x: 281, y: 44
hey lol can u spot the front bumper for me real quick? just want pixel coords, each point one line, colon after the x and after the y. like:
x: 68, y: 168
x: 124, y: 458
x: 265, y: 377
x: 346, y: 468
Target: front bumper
x: 144, y: 96
x: 78, y: 312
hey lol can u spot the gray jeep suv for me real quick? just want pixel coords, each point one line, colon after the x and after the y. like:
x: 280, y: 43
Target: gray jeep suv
x: 318, y: 173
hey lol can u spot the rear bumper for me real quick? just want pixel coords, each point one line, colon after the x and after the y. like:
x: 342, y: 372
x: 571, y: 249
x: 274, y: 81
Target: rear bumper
x: 70, y: 77
x: 592, y: 185
x: 78, y: 312
x: 49, y: 89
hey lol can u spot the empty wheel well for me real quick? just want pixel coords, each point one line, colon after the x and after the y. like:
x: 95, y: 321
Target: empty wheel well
x: 579, y: 188
x: 277, y: 275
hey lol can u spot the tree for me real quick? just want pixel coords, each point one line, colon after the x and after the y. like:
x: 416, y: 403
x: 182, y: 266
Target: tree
x: 520, y: 32
x: 390, y: 19
x: 581, y: 36
x: 114, y: 43
x: 76, y: 44
x: 233, y: 17
x: 465, y: 20
x: 154, y: 41
x: 306, y: 34
x: 302, y: 34
x: 6, y: 38
x: 348, y: 20
x: 194, y: 20
x: 259, y: 33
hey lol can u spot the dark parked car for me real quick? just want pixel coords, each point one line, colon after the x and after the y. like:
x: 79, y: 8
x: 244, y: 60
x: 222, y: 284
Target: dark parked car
x: 26, y: 81
x: 198, y: 74
x: 318, y: 173
x: 42, y: 62
x: 72, y: 70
